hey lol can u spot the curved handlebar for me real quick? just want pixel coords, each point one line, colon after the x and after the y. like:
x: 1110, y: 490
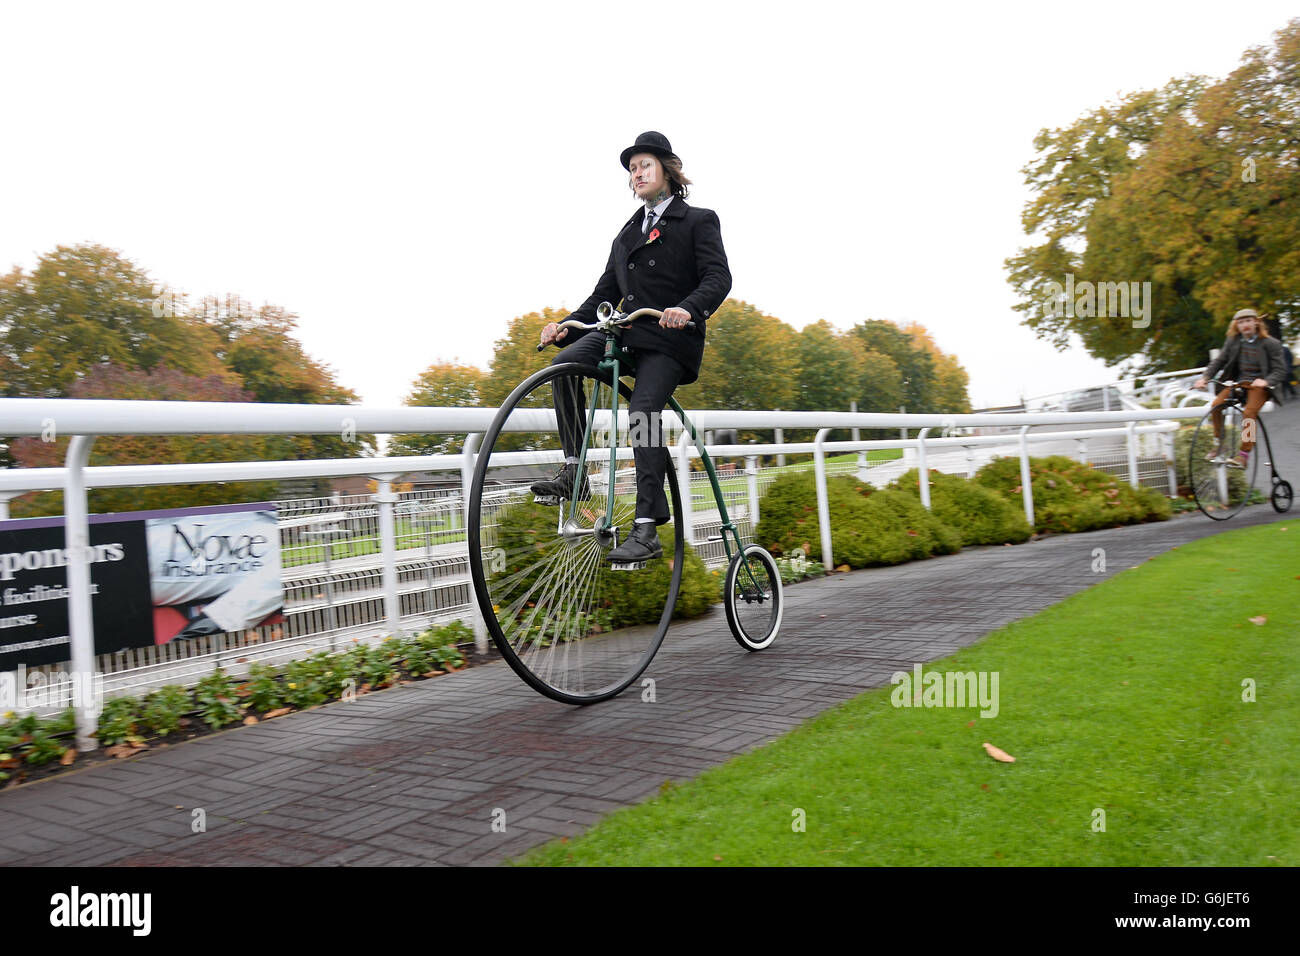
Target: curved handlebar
x: 607, y: 318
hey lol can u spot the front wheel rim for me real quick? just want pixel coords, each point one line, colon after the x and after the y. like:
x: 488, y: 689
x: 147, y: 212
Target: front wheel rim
x: 553, y: 606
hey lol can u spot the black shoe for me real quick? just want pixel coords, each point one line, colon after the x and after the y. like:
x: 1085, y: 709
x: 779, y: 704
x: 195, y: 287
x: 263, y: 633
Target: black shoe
x: 642, y: 545
x: 552, y: 490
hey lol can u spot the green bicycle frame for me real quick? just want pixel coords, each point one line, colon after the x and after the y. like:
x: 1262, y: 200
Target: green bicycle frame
x: 615, y: 357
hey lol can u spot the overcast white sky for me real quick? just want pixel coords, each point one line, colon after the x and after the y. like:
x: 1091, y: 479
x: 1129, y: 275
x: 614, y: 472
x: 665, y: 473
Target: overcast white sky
x: 408, y: 177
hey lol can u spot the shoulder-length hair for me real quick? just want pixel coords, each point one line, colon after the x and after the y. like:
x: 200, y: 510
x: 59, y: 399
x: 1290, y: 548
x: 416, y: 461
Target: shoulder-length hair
x: 677, y: 182
x: 1261, y: 328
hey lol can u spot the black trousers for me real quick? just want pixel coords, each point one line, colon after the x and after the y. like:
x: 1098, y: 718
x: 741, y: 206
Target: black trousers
x: 657, y: 375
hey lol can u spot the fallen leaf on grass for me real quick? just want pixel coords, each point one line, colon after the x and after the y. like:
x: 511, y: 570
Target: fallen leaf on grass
x: 984, y: 787
x: 249, y: 720
x: 434, y: 673
x: 67, y: 758
x: 1261, y: 620
x: 119, y: 751
x: 970, y: 723
x: 997, y: 754
x: 278, y: 712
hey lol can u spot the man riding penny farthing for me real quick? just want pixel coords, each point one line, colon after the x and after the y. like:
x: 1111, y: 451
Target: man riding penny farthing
x: 669, y: 257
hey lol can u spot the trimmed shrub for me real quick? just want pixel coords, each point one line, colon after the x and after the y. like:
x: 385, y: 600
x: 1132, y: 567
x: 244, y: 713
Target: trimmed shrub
x: 980, y: 515
x: 526, y: 534
x: 868, y: 526
x: 1069, y: 496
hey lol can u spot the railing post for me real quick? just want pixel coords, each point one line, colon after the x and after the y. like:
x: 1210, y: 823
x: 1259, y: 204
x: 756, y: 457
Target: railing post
x: 1026, y: 489
x: 687, y: 516
x: 970, y: 460
x: 385, y: 498
x: 467, y: 462
x: 4, y: 504
x: 857, y: 436
x: 823, y: 499
x: 922, y: 472
x: 1170, y: 463
x: 779, y: 435
x: 1131, y: 441
x: 751, y: 480
x: 81, y: 623
x: 1081, y: 450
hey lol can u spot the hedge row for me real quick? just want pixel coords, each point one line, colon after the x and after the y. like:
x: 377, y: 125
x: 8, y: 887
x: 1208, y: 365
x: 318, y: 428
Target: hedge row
x: 871, y: 526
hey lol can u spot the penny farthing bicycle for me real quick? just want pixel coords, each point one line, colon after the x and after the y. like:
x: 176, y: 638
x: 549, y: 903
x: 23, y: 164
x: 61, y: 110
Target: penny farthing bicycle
x: 1220, y: 485
x: 573, y: 626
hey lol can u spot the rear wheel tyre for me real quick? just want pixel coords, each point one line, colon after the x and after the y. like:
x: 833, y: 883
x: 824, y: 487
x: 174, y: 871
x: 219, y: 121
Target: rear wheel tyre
x: 1281, y: 496
x: 754, y: 598
x: 567, y: 623
x: 1220, y: 490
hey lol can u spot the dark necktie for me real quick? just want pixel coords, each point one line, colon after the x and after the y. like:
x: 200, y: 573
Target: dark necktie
x: 649, y: 219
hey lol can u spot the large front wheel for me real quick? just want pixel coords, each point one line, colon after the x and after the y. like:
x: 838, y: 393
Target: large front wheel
x: 753, y: 598
x: 1220, y: 489
x: 570, y: 626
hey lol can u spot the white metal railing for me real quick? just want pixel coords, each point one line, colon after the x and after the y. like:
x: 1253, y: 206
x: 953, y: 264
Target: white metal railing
x: 86, y: 419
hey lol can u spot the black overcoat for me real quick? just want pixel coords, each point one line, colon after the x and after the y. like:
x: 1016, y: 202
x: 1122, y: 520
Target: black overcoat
x: 682, y: 264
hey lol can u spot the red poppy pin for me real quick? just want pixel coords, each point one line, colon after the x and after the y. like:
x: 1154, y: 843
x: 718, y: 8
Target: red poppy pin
x: 654, y: 234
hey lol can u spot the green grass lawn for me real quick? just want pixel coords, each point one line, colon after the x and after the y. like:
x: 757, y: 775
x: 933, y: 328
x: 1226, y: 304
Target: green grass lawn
x: 1126, y: 698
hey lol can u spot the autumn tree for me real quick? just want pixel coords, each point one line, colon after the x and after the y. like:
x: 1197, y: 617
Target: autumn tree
x: 515, y: 356
x: 83, y: 306
x: 948, y: 388
x: 1194, y: 188
x: 441, y: 385
x: 258, y: 345
x: 163, y: 384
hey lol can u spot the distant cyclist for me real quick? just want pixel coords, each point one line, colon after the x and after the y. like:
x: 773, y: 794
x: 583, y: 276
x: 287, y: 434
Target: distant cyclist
x: 1254, y: 359
x: 668, y: 256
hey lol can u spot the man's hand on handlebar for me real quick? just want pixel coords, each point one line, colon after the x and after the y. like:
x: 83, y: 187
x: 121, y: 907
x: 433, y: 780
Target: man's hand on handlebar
x: 675, y: 318
x: 552, y: 333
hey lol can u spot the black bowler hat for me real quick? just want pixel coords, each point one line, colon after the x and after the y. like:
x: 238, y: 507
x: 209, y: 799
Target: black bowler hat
x: 650, y: 142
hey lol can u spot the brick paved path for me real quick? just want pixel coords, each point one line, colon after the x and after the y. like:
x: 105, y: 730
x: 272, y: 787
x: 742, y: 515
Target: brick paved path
x: 412, y: 775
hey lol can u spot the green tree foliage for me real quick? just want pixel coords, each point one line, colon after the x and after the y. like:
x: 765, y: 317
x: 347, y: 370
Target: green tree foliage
x: 832, y: 366
x: 82, y: 306
x: 915, y: 365
x: 881, y: 385
x: 751, y: 361
x: 1195, y: 188
x: 441, y: 385
x: 113, y: 381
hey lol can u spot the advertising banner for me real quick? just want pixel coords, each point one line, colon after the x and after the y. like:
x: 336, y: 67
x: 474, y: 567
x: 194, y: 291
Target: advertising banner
x: 156, y: 576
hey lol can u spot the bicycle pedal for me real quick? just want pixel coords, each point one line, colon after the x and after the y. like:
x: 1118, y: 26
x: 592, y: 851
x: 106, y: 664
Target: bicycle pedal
x: 546, y: 499
x: 628, y: 565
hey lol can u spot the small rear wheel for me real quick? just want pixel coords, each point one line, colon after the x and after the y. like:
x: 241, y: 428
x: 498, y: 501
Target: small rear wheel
x: 753, y: 598
x: 1281, y: 496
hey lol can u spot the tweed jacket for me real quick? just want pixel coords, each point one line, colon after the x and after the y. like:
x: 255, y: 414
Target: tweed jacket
x: 1271, y: 357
